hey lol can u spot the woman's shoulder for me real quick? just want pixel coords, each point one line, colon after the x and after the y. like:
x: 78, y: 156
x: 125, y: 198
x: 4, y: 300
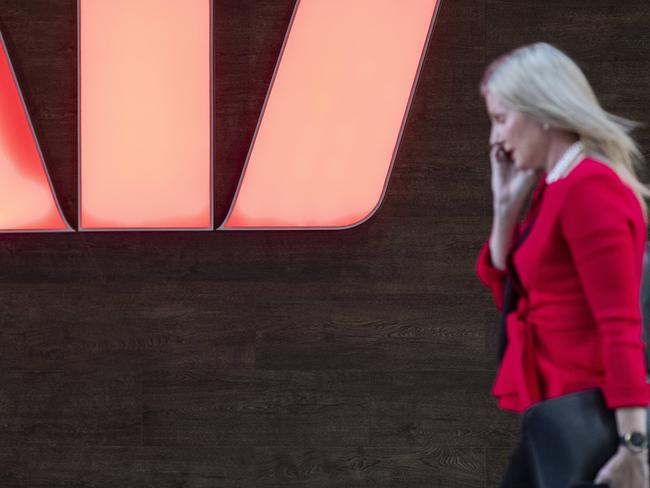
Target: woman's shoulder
x: 595, y: 178
x: 590, y: 167
x: 593, y: 186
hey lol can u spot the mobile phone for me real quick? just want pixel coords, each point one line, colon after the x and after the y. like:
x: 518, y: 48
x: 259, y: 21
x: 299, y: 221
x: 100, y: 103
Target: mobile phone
x: 502, y: 156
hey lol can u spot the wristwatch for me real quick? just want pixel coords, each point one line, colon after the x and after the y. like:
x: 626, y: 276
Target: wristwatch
x: 634, y: 441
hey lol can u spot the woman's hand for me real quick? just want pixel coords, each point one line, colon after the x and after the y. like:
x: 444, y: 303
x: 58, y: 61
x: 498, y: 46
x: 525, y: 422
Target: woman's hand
x: 626, y: 469
x: 510, y: 189
x: 510, y: 185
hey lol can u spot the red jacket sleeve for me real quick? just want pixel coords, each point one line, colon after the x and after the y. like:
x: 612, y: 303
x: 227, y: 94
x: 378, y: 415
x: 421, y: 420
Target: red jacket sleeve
x: 601, y: 229
x: 491, y: 277
x: 495, y: 278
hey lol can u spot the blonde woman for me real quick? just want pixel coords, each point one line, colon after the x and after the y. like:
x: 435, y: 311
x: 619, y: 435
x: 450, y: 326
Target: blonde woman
x: 569, y: 168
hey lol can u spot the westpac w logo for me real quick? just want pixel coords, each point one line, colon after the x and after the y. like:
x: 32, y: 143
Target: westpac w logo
x: 324, y: 145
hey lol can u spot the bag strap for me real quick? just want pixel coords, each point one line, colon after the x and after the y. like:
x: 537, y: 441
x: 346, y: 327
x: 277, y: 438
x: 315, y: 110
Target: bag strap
x: 645, y: 305
x: 511, y: 292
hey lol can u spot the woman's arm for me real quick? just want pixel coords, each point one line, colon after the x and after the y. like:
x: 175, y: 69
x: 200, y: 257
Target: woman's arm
x: 491, y: 263
x: 630, y: 419
x: 627, y: 468
x: 512, y: 191
x: 503, y: 229
x: 602, y: 231
x: 505, y: 226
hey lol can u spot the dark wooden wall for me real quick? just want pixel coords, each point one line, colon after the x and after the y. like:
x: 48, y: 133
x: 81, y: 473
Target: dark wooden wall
x: 360, y: 358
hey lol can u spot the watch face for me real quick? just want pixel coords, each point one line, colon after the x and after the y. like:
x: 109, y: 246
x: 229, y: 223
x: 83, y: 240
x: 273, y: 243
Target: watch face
x: 637, y: 439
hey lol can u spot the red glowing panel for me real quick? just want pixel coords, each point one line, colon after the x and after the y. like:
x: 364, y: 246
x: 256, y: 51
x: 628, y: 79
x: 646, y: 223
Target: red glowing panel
x: 332, y: 121
x: 145, y: 112
x: 27, y: 200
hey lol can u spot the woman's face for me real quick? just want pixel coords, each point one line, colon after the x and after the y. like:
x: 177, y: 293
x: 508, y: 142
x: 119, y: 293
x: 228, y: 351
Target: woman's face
x: 524, y: 139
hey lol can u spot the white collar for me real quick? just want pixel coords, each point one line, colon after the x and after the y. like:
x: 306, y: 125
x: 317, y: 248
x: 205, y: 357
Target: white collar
x: 564, y: 162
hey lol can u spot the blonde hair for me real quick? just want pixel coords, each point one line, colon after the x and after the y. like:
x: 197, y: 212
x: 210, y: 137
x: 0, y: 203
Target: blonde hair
x: 543, y: 82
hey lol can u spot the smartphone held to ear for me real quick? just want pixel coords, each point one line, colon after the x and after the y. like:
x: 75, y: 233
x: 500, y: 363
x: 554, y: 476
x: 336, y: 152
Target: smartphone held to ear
x: 502, y: 156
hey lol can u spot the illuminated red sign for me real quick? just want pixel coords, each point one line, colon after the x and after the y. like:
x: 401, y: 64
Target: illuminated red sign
x: 145, y: 105
x: 324, y: 145
x: 27, y: 200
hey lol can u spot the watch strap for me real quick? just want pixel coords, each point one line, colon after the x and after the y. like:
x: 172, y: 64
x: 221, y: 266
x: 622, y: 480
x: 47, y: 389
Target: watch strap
x: 635, y: 441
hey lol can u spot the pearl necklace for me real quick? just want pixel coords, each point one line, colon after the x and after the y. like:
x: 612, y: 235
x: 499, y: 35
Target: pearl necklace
x: 564, y: 162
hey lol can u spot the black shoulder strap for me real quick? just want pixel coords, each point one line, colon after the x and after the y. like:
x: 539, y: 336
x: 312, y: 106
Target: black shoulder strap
x: 512, y: 284
x: 645, y: 305
x: 510, y: 294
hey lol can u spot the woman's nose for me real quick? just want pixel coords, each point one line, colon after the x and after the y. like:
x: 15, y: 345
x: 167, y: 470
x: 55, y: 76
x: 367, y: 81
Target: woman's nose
x: 495, y: 137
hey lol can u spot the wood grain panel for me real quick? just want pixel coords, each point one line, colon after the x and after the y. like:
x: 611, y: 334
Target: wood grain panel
x: 355, y: 358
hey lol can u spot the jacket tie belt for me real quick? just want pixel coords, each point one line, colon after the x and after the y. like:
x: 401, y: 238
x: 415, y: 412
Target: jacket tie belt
x: 517, y: 384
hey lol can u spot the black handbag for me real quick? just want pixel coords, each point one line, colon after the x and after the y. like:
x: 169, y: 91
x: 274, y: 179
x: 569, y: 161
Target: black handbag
x: 568, y: 438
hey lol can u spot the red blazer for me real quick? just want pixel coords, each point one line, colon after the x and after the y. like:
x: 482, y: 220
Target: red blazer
x: 578, y: 322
